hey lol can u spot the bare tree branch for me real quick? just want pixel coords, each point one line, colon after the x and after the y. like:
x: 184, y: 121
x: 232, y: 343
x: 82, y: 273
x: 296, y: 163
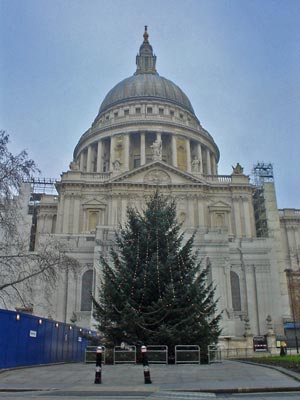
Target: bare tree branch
x: 19, y: 267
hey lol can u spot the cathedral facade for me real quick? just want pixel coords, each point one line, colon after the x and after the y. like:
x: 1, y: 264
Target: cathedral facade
x: 147, y: 136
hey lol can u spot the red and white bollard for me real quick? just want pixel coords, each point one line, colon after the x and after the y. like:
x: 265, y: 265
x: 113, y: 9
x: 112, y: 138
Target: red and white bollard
x: 147, y: 376
x: 98, y: 365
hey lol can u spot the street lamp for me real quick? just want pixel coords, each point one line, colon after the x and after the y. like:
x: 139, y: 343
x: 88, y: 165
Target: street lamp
x: 290, y: 286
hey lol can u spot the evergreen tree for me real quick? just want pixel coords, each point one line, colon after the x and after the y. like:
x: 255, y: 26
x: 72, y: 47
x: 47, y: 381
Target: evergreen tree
x: 155, y: 291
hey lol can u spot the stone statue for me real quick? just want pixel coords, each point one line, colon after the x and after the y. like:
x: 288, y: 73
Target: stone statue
x: 196, y: 165
x: 238, y: 169
x: 74, y: 165
x: 157, y: 150
x: 116, y: 165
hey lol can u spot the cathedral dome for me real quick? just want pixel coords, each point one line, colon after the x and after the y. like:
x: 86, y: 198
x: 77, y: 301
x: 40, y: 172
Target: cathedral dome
x: 139, y: 113
x: 146, y: 86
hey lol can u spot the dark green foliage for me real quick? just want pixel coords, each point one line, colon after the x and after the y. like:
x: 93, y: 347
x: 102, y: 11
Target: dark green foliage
x: 154, y: 290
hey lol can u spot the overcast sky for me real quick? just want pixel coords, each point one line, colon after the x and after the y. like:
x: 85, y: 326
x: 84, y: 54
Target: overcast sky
x: 238, y: 61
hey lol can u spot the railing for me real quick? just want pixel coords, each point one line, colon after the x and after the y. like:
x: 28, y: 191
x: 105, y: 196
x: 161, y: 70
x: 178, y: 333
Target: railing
x: 90, y: 354
x: 187, y: 354
x: 157, y: 354
x: 214, y: 354
x: 218, y: 354
x: 218, y: 178
x: 97, y: 176
x: 289, y: 212
x: 125, y: 355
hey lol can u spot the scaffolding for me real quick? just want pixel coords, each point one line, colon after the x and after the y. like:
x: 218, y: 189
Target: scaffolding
x: 42, y: 185
x: 262, y: 172
x: 38, y: 188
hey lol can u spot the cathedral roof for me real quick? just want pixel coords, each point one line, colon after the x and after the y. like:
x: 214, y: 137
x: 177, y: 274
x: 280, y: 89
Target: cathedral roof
x: 146, y: 84
x: 146, y: 87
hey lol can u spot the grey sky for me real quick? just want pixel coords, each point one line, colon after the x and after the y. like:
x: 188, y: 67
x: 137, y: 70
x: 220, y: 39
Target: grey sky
x: 237, y: 60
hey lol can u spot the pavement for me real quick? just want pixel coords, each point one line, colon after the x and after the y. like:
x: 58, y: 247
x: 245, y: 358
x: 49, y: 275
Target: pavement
x: 223, y: 377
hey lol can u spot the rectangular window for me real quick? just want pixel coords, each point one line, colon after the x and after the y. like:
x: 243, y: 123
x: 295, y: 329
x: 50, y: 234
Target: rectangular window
x: 161, y: 111
x: 149, y: 110
x: 126, y: 112
x: 138, y: 110
x: 116, y: 114
x: 172, y: 113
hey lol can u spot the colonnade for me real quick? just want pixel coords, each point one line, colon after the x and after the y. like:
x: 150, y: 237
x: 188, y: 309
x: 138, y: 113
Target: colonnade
x: 101, y: 156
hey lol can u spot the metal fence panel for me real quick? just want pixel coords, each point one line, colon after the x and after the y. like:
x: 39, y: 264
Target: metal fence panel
x: 214, y: 354
x: 157, y: 354
x: 187, y: 354
x: 90, y: 354
x: 125, y: 355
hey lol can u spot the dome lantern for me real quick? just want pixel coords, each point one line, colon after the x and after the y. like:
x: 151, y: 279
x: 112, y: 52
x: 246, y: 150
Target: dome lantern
x: 146, y: 60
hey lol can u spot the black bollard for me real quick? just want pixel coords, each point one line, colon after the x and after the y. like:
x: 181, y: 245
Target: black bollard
x: 98, y: 365
x: 147, y: 376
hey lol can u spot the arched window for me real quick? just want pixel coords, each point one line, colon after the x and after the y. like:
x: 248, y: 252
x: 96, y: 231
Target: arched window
x: 235, y: 291
x: 86, y: 290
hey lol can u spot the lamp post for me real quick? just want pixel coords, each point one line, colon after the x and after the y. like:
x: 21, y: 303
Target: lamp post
x: 290, y: 286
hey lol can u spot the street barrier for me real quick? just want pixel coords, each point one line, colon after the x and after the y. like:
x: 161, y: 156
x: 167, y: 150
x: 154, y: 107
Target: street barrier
x: 90, y: 354
x: 157, y: 354
x: 214, y: 354
x: 187, y: 354
x: 125, y: 355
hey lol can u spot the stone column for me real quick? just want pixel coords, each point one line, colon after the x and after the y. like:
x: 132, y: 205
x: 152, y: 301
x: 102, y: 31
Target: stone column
x: 112, y: 151
x: 237, y: 219
x: 126, y: 152
x: 246, y: 210
x: 174, y: 151
x: 76, y: 228
x: 213, y: 162
x: 81, y: 161
x: 99, y: 156
x: 208, y: 162
x: 89, y: 159
x: 199, y: 156
x: 188, y: 155
x: 143, y: 148
x: 66, y: 208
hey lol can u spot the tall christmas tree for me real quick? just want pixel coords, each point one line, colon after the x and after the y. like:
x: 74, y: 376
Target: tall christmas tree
x: 154, y: 289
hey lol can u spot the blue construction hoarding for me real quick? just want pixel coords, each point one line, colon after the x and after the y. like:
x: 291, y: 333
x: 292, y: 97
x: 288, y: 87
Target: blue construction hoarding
x: 29, y: 340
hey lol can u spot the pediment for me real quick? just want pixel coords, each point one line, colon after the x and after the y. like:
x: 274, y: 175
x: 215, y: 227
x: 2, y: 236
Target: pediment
x: 219, y: 206
x: 93, y: 203
x: 157, y: 173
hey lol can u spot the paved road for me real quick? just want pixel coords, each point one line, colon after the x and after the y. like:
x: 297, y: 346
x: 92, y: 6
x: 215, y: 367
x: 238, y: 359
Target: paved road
x: 72, y: 381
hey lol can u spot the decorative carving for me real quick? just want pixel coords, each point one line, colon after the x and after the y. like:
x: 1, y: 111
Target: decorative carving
x: 269, y: 324
x: 74, y: 165
x: 157, y: 176
x: 181, y: 153
x: 157, y: 150
x: 247, y: 327
x: 182, y: 217
x: 196, y: 164
x: 237, y: 170
x: 116, y: 165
